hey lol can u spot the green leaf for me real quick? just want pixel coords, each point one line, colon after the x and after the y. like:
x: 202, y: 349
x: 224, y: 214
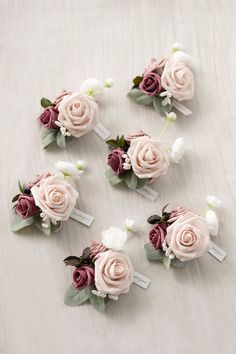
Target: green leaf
x: 144, y: 100
x: 177, y: 263
x: 112, y: 143
x: 75, y: 297
x: 112, y: 178
x: 98, y: 302
x: 38, y: 223
x: 121, y: 142
x: 61, y: 140
x: 131, y: 179
x: 55, y: 228
x: 134, y: 93
x: 18, y: 223
x: 14, y: 199
x: 157, y: 105
x: 142, y: 182
x: 153, y: 254
x: 45, y: 102
x: 48, y: 136
x: 137, y: 80
x: 167, y: 262
x: 69, y: 139
x: 21, y: 186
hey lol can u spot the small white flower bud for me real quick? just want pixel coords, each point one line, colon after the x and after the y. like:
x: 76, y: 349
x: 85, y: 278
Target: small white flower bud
x: 213, y: 202
x: 109, y: 83
x: 177, y: 46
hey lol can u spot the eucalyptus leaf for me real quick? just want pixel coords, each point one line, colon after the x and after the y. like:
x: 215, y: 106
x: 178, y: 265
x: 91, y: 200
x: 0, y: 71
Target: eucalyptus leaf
x: 134, y: 93
x: 142, y: 182
x: 167, y: 262
x: 38, y: 223
x: 48, y: 136
x: 153, y: 254
x: 69, y: 139
x: 14, y: 199
x: 113, y: 179
x: 177, y: 263
x: 61, y: 140
x: 45, y: 102
x: 18, y: 223
x: 98, y: 302
x: 157, y: 105
x: 144, y: 100
x: 57, y: 227
x: 75, y: 297
x: 131, y: 180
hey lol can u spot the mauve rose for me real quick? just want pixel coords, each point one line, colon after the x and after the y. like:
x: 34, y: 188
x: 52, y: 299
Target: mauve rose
x: 188, y: 237
x: 151, y: 84
x: 96, y: 248
x: 157, y: 235
x: 48, y: 118
x: 115, y: 161
x: 83, y: 276
x: 37, y: 179
x: 176, y: 213
x: 156, y: 65
x: 26, y: 206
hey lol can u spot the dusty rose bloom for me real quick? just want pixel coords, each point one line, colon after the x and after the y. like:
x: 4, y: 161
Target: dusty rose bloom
x: 96, y: 248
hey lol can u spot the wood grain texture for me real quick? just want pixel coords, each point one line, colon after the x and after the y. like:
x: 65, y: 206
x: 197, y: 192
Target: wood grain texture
x: 49, y: 45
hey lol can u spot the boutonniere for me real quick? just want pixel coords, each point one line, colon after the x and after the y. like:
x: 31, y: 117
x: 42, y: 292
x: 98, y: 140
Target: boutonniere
x: 103, y: 272
x: 180, y: 235
x: 73, y: 114
x: 139, y: 159
x: 166, y: 82
x: 47, y: 200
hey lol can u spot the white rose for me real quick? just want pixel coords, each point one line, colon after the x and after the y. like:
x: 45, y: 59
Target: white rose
x: 94, y: 88
x: 213, y: 202
x: 130, y: 225
x: 212, y: 222
x: 180, y: 56
x: 114, y: 238
x: 69, y: 169
x: 177, y: 150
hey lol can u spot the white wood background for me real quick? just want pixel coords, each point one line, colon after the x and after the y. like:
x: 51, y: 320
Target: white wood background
x: 49, y: 45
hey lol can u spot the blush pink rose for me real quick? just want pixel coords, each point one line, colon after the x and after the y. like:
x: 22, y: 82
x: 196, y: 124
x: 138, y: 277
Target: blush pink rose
x: 178, y: 79
x: 96, y: 248
x: 176, y: 213
x: 115, y: 161
x: 188, y: 237
x: 148, y: 156
x: 113, y: 273
x: 37, y: 179
x: 26, y: 206
x: 156, y: 66
x: 151, y: 84
x: 48, y: 118
x: 135, y: 135
x: 60, y: 98
x: 78, y: 113
x: 83, y: 276
x: 55, y: 197
x: 157, y: 235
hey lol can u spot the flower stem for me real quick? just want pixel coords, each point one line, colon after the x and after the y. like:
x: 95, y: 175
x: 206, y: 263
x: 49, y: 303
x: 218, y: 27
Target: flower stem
x: 164, y: 128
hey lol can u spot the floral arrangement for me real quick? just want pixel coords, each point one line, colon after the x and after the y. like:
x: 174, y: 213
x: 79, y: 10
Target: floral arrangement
x: 102, y: 273
x: 71, y: 114
x: 165, y: 82
x: 180, y: 235
x: 139, y: 159
x: 47, y: 200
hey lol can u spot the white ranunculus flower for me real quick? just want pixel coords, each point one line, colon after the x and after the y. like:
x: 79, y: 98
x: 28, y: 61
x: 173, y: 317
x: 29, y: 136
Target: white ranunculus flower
x: 69, y: 169
x: 212, y: 222
x: 81, y: 165
x: 177, y: 46
x: 177, y: 150
x: 93, y: 87
x: 180, y: 56
x: 213, y: 202
x: 130, y: 225
x: 114, y: 238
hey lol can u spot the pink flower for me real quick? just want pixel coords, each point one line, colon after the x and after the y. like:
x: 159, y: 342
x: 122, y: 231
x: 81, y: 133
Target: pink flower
x: 178, y: 79
x: 148, y: 156
x: 156, y: 66
x: 113, y: 273
x: 151, y: 84
x: 176, y: 213
x: 48, y: 118
x: 26, y: 206
x: 135, y: 135
x: 60, y: 98
x: 96, y: 248
x: 115, y: 161
x: 37, y: 179
x: 188, y: 237
x: 157, y: 235
x: 83, y: 276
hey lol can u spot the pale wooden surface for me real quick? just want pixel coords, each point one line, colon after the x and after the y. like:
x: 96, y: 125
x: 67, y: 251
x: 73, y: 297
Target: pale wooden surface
x: 50, y: 45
